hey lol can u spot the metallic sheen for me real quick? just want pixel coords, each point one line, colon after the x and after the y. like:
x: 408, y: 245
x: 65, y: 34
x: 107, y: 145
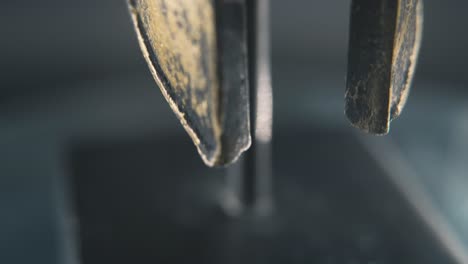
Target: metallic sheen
x: 383, y: 49
x: 183, y: 42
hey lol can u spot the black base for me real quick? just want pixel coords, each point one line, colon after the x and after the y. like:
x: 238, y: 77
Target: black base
x: 153, y: 201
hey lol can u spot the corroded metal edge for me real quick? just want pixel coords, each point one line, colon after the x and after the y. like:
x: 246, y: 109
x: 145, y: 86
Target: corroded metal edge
x: 383, y: 50
x: 231, y: 23
x: 209, y: 160
x: 399, y: 97
x: 228, y: 106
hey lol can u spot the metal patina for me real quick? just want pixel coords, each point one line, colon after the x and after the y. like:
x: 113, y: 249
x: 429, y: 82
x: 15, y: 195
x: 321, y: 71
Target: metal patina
x: 384, y: 43
x: 183, y: 42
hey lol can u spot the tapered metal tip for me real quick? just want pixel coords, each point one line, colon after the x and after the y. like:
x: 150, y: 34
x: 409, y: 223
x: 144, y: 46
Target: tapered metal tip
x: 384, y: 43
x: 196, y: 51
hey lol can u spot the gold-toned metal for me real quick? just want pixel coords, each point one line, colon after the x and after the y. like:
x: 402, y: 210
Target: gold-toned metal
x: 408, y: 38
x: 178, y: 39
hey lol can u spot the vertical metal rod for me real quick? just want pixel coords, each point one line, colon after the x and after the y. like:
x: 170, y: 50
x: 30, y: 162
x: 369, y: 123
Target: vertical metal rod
x: 250, y: 181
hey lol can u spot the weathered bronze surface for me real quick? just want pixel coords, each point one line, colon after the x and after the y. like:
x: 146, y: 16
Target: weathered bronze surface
x: 197, y: 55
x: 384, y: 43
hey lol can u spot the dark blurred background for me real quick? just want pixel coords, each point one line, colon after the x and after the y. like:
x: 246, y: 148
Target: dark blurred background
x: 79, y: 108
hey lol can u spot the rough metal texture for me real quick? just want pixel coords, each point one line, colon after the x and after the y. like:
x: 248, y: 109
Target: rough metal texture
x: 183, y: 42
x: 383, y: 48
